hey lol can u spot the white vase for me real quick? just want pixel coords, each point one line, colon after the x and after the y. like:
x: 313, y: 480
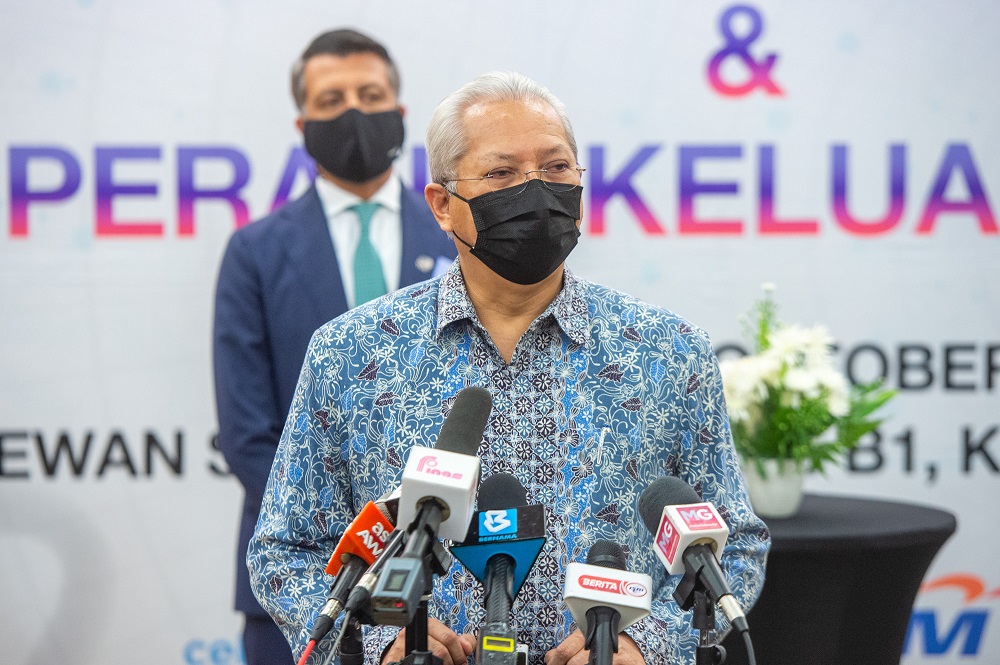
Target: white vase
x: 780, y: 493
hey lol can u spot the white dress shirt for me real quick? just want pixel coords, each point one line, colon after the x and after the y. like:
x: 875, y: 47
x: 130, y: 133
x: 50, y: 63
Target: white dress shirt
x: 385, y: 231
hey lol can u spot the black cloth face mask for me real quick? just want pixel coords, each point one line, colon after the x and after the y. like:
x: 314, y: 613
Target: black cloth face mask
x: 355, y: 146
x: 524, y: 237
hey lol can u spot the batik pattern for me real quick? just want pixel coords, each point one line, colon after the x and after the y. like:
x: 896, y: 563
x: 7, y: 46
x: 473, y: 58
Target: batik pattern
x: 604, y: 394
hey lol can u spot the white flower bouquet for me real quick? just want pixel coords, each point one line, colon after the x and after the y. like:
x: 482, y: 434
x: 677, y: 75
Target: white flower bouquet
x: 787, y: 401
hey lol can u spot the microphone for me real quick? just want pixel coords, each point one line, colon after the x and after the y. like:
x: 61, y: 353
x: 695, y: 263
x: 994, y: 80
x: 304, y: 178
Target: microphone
x: 448, y: 474
x: 504, y: 540
x: 437, y: 499
x: 605, y: 598
x: 462, y: 431
x: 359, y: 600
x: 688, y: 537
x: 457, y: 435
x: 365, y: 537
x: 358, y: 548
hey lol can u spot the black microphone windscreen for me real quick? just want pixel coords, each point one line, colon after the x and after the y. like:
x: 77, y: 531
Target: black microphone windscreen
x: 608, y: 554
x: 501, y: 491
x: 462, y: 431
x: 665, y: 491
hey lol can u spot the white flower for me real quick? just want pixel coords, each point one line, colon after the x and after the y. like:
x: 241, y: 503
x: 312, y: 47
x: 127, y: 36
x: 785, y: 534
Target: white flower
x: 798, y: 346
x: 746, y: 382
x: 778, y: 398
x: 837, y: 392
x: 838, y: 405
x: 768, y: 367
x: 798, y: 362
x: 803, y: 382
x: 733, y: 387
x: 791, y: 399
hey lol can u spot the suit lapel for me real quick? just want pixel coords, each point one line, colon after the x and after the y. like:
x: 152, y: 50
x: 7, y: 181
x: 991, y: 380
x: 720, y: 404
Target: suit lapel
x: 311, y: 256
x: 418, y: 254
x: 309, y: 251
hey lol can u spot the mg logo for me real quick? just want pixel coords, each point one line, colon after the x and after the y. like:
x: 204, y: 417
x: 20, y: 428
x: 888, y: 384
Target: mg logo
x: 699, y: 517
x: 667, y: 538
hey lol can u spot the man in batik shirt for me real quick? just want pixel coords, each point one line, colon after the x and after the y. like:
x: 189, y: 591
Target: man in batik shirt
x: 595, y: 395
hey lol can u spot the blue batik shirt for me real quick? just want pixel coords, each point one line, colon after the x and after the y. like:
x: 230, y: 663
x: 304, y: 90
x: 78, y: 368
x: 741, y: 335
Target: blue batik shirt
x: 603, y: 395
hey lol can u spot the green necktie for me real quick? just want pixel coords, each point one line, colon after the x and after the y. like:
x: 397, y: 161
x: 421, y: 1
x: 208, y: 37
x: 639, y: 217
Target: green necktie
x: 369, y: 282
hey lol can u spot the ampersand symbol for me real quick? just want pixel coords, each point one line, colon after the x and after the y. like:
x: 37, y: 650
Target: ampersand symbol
x: 760, y: 72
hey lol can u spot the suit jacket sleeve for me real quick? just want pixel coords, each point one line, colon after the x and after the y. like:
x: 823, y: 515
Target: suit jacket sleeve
x: 250, y: 418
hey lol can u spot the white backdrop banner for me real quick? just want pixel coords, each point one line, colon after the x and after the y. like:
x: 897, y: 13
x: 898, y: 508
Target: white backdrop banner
x: 847, y: 151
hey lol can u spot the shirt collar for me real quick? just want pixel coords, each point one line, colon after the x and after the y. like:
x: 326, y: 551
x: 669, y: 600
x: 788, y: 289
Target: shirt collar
x: 569, y: 308
x: 336, y: 200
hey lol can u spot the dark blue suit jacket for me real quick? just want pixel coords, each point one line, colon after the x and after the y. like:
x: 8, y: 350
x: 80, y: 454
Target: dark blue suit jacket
x: 280, y: 281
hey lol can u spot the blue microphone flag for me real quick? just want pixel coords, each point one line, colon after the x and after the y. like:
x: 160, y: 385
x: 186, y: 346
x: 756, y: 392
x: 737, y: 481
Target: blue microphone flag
x: 517, y: 532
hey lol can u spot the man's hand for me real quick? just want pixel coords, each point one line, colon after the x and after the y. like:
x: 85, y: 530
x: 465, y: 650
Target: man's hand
x: 441, y: 641
x: 571, y: 652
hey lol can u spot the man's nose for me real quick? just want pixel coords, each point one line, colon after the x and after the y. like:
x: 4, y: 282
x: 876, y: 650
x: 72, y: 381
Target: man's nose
x: 352, y: 100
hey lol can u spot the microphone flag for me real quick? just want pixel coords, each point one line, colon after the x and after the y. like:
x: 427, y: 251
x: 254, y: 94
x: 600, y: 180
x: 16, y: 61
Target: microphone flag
x: 686, y: 525
x: 365, y: 537
x: 518, y: 532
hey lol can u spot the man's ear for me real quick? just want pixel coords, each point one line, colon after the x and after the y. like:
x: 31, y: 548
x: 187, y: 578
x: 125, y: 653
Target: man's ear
x: 300, y: 123
x: 402, y: 111
x: 439, y: 201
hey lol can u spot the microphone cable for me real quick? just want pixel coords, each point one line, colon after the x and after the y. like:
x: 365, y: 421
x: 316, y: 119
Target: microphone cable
x: 749, y: 644
x: 309, y: 650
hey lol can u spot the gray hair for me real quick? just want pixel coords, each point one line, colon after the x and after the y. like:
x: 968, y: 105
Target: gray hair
x: 446, y: 141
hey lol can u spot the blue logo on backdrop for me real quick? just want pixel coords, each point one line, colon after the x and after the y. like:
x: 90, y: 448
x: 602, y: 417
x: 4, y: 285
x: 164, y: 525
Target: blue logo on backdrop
x: 936, y: 633
x: 218, y: 651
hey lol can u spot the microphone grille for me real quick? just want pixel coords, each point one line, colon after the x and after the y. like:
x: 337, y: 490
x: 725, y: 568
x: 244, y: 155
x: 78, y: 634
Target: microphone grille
x: 501, y: 491
x: 608, y: 554
x: 462, y: 431
x: 664, y: 491
x: 386, y: 512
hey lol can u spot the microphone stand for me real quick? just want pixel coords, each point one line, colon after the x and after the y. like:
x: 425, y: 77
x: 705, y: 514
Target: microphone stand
x: 352, y: 651
x: 691, y: 592
x: 496, y: 644
x: 416, y: 639
x: 436, y: 562
x: 707, y: 653
x: 422, y: 545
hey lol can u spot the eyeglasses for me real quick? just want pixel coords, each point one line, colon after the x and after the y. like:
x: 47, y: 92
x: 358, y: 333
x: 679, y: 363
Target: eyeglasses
x: 558, y: 176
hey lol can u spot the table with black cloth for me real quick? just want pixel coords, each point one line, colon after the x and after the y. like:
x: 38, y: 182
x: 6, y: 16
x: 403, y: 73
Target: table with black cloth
x: 841, y: 579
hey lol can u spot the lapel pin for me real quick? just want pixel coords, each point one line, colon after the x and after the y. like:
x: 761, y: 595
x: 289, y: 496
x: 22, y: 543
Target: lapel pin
x: 425, y: 263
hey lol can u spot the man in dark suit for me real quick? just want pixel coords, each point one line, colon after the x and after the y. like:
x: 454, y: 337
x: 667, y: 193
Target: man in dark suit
x: 356, y: 234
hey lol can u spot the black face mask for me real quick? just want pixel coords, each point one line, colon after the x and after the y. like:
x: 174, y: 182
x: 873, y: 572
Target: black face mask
x: 524, y: 237
x: 355, y: 146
